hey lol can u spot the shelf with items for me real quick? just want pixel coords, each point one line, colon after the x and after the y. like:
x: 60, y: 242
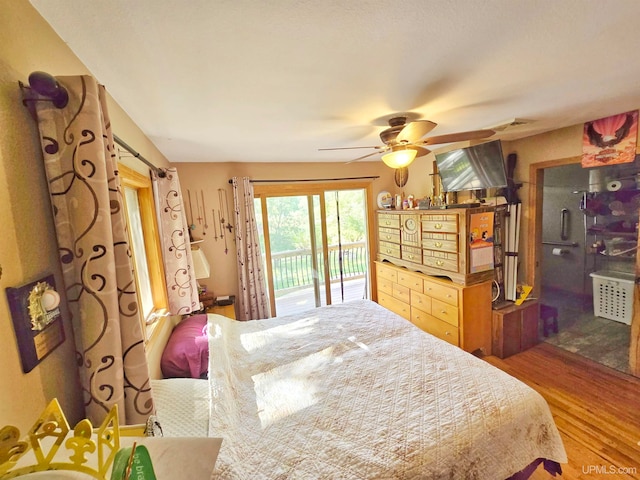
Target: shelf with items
x: 611, y: 227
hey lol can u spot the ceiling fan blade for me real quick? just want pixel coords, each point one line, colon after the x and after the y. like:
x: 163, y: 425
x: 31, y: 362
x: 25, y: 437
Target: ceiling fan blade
x: 421, y: 150
x: 457, y: 137
x: 363, y: 157
x: 414, y: 131
x: 348, y: 148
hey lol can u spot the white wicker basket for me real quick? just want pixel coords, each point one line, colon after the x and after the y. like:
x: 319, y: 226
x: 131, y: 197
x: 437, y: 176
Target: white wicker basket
x: 613, y: 295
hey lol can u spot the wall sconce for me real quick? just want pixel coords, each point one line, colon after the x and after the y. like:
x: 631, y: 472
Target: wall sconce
x: 399, y: 157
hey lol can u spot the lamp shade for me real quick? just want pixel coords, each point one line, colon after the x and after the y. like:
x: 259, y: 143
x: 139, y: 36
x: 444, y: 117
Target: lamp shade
x: 200, y: 264
x: 399, y: 158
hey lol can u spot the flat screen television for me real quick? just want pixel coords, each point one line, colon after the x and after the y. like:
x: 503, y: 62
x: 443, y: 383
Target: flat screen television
x: 472, y: 168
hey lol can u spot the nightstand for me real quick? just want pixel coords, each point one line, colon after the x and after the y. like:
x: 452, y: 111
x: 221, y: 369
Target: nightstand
x: 224, y: 310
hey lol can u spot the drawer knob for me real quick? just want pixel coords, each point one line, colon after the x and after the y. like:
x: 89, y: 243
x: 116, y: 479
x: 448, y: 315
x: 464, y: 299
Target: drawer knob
x: 411, y: 257
x: 438, y: 226
x: 443, y: 311
x: 439, y: 263
x: 438, y: 244
x: 388, y: 237
x: 447, y: 333
x: 388, y: 250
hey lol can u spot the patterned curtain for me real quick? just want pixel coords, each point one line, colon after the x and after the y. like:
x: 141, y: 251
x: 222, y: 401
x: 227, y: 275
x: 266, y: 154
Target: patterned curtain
x: 81, y: 167
x: 253, y: 301
x: 182, y: 287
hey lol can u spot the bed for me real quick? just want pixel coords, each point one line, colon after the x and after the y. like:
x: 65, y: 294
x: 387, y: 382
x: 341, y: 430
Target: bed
x: 356, y: 391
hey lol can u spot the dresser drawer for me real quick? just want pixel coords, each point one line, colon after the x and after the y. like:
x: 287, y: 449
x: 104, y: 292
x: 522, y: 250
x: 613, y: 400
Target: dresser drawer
x: 442, y: 330
x: 440, y: 260
x: 401, y: 292
x: 389, y: 220
x: 410, y: 280
x: 389, y: 235
x: 444, y: 311
x: 421, y: 301
x: 396, y: 306
x: 441, y: 292
x: 390, y: 249
x: 385, y: 285
x: 440, y: 223
x: 411, y: 254
x: 420, y: 318
x: 388, y: 273
x: 447, y: 243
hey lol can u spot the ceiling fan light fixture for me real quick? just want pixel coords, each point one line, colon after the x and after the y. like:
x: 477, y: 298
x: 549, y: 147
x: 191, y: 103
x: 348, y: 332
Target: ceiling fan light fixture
x: 399, y: 158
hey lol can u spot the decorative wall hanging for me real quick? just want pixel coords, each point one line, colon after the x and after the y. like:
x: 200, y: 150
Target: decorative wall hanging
x: 36, y: 319
x: 610, y: 140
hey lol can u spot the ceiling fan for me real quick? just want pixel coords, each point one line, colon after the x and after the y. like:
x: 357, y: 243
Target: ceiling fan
x: 404, y: 141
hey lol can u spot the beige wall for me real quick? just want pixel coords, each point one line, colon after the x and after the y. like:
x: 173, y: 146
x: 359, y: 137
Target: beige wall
x: 28, y: 248
x: 555, y: 145
x: 207, y: 178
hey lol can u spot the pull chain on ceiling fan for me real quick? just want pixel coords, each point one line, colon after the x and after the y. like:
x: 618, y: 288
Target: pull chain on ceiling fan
x: 403, y: 142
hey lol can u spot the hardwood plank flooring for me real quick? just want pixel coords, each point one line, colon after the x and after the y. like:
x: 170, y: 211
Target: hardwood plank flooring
x: 596, y: 409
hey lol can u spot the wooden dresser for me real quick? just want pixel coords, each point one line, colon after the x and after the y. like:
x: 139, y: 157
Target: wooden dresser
x: 439, y: 242
x: 459, y: 314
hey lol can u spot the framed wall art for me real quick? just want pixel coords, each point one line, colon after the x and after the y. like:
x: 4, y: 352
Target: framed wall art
x: 610, y: 140
x: 35, y: 309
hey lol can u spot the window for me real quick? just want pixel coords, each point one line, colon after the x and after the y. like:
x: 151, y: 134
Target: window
x: 145, y: 246
x: 315, y: 241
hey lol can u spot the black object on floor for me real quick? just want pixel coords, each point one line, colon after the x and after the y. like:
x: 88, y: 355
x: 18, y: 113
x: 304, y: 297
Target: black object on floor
x: 549, y: 316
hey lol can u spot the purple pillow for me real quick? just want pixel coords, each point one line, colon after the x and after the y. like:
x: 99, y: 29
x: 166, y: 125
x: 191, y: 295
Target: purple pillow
x: 187, y: 351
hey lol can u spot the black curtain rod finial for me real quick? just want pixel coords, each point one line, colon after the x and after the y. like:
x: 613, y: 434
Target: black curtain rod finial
x: 47, y: 86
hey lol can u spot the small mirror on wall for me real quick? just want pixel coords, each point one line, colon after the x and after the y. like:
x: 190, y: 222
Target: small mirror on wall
x: 35, y: 309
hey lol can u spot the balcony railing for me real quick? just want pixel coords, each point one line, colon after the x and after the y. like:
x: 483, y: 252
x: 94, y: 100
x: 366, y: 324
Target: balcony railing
x: 294, y: 268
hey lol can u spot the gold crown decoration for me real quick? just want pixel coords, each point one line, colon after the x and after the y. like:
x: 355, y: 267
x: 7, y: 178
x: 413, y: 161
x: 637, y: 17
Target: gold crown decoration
x: 84, y: 454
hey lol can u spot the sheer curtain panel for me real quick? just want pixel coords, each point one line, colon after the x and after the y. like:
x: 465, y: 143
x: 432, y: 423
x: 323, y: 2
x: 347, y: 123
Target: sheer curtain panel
x: 253, y: 301
x: 182, y: 287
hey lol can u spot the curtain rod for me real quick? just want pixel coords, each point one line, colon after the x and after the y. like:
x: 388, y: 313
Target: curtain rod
x: 47, y: 86
x: 290, y: 180
x: 124, y: 145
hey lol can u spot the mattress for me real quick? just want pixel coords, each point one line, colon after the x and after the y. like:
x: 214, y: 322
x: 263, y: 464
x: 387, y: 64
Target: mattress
x: 356, y: 391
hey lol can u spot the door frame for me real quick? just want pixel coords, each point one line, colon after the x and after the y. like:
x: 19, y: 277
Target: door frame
x: 534, y: 253
x: 265, y: 190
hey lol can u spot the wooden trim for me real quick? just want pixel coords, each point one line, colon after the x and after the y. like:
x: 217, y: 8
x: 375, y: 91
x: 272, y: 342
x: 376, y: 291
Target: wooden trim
x: 133, y: 179
x: 372, y: 233
x: 267, y: 254
x: 264, y: 191
x: 325, y: 250
x: 283, y: 190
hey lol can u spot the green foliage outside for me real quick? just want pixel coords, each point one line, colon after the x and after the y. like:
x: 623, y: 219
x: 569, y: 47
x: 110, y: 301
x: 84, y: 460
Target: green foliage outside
x: 289, y: 232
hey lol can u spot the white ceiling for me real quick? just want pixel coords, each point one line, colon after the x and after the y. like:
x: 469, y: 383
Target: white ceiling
x: 264, y: 81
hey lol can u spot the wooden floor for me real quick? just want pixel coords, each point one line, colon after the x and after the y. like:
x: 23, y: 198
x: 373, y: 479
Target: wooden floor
x: 596, y: 409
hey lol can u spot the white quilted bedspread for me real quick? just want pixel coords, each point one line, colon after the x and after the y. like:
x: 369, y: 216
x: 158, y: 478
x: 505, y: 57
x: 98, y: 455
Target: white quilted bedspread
x: 354, y: 391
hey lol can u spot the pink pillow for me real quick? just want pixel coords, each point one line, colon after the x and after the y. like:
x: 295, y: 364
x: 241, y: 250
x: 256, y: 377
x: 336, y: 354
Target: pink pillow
x: 187, y: 351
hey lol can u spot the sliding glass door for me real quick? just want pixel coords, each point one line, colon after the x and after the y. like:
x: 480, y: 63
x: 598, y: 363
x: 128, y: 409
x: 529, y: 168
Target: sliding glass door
x: 311, y: 240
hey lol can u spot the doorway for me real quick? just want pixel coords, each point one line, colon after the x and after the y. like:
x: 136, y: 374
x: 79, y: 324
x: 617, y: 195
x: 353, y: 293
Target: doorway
x: 315, y: 243
x: 586, y: 255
